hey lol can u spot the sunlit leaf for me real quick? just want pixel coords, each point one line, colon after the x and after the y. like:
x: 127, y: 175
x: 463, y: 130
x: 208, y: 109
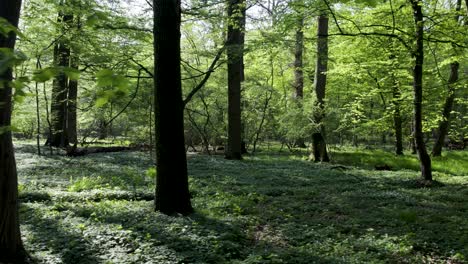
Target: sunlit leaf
x: 44, y: 74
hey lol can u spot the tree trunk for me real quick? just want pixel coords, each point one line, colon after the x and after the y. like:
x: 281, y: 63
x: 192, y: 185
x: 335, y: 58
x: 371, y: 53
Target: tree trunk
x: 11, y: 247
x: 58, y: 108
x: 298, y: 92
x: 103, y: 130
x: 38, y: 119
x: 397, y: 121
x: 418, y: 54
x: 319, y: 146
x: 172, y: 192
x: 444, y: 125
x: 236, y: 13
x: 72, y: 103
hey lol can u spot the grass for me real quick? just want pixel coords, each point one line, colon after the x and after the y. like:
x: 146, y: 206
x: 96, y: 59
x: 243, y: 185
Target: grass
x: 264, y: 209
x: 451, y: 163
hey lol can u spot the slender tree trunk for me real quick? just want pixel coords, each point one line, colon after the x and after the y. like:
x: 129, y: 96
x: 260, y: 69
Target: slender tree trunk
x: 298, y: 85
x: 418, y: 54
x: 236, y: 13
x: 49, y: 124
x: 172, y: 192
x: 38, y: 115
x: 11, y: 247
x: 72, y: 99
x: 397, y: 121
x: 102, y: 129
x: 412, y: 142
x: 319, y: 146
x: 268, y: 97
x: 150, y: 125
x: 58, y: 108
x: 444, y: 125
x: 72, y: 104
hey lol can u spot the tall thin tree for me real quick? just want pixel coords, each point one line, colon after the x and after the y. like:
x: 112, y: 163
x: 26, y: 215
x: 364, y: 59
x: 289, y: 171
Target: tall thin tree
x: 319, y: 146
x: 418, y: 55
x: 11, y: 246
x: 172, y: 192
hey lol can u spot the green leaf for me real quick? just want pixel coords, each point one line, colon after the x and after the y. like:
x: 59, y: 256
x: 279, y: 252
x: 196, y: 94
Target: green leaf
x: 101, y: 101
x: 10, y: 58
x: 72, y: 73
x: 104, y: 78
x: 6, y: 27
x: 7, y: 59
x: 96, y: 17
x: 109, y: 78
x: 5, y: 129
x: 44, y: 75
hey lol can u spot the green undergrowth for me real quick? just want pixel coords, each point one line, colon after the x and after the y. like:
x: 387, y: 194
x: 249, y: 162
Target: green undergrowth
x: 451, y: 163
x: 264, y: 209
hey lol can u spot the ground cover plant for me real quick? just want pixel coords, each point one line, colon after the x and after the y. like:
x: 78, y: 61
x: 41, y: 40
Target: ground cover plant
x: 268, y: 208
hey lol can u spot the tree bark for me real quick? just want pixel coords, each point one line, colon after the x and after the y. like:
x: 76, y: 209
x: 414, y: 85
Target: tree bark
x: 72, y: 103
x: 236, y: 15
x: 444, y: 125
x: 418, y: 55
x: 172, y: 192
x: 319, y: 146
x: 11, y: 246
x: 58, y: 108
x: 298, y: 85
x: 397, y: 121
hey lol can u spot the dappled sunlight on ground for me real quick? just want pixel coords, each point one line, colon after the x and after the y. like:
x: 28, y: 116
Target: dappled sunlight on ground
x: 264, y: 209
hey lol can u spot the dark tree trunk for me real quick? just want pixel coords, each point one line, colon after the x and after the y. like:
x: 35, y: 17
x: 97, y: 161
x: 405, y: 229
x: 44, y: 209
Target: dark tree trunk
x: 58, y: 108
x: 444, y: 125
x: 11, y: 247
x: 319, y: 146
x: 236, y: 13
x: 418, y: 54
x: 397, y: 121
x: 103, y: 130
x: 172, y: 192
x: 72, y: 104
x: 38, y: 119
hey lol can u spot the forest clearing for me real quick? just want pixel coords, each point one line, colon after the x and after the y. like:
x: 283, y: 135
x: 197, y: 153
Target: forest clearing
x: 233, y: 131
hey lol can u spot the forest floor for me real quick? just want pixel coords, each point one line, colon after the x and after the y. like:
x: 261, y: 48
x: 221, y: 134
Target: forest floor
x: 268, y: 208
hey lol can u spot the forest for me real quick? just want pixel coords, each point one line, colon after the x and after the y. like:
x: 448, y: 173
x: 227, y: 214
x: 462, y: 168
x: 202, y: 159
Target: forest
x: 233, y: 131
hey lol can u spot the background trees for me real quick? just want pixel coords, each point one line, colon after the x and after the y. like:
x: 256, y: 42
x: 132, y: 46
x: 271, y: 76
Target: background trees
x: 369, y: 73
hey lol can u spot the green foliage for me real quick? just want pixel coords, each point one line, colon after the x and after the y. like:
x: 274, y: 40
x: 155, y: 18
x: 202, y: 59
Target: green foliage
x: 5, y: 129
x: 296, y: 122
x: 451, y: 163
x: 116, y: 84
x: 9, y: 59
